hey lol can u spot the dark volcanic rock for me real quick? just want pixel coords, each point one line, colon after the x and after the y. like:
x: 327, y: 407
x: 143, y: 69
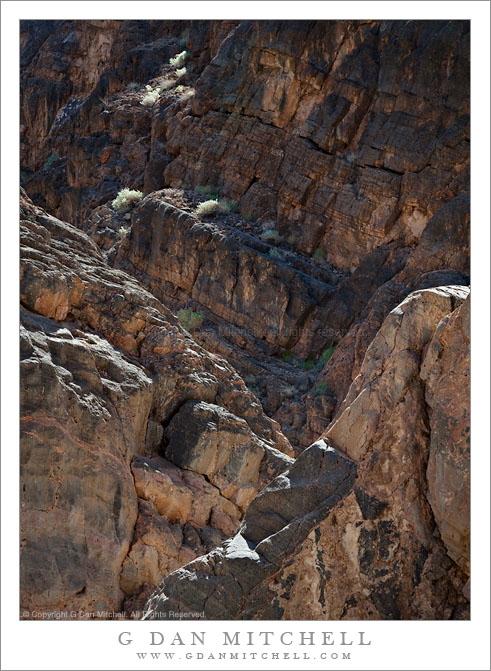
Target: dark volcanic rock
x: 331, y: 128
x: 175, y: 253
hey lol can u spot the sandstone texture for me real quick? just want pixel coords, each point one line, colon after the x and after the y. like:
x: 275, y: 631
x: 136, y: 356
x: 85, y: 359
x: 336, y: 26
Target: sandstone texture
x: 348, y: 532
x: 262, y: 410
x: 108, y: 381
x: 446, y: 368
x: 344, y: 138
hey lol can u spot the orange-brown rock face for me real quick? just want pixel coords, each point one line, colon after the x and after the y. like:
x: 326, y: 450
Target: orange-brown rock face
x: 346, y: 139
x: 325, y: 304
x: 445, y: 369
x: 107, y: 380
x: 364, y: 525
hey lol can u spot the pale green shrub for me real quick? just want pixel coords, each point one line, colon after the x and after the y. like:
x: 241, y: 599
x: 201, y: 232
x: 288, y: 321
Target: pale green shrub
x: 125, y: 198
x: 54, y: 157
x: 179, y: 60
x: 288, y: 357
x: 184, y: 38
x: 321, y: 389
x: 167, y: 84
x: 132, y: 86
x: 207, y: 190
x: 208, y: 207
x: 181, y: 72
x: 123, y: 231
x: 274, y: 254
x: 151, y: 96
x: 327, y: 354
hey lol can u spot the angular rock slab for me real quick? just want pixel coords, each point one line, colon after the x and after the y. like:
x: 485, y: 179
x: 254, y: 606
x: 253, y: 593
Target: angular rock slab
x: 276, y: 523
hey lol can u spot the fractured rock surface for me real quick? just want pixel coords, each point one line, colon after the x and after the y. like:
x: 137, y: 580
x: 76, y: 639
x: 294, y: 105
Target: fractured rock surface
x: 347, y: 531
x: 326, y: 306
x: 108, y: 376
x: 347, y: 138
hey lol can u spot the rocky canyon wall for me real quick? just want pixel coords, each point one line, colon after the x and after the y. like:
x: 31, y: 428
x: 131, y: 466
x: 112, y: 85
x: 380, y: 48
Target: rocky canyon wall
x: 176, y: 364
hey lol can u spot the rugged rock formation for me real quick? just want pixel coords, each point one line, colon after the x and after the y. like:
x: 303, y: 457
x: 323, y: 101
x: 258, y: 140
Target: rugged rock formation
x: 333, y: 279
x: 312, y: 125
x: 347, y: 532
x: 440, y: 258
x: 344, y: 137
x: 108, y: 381
x: 445, y: 369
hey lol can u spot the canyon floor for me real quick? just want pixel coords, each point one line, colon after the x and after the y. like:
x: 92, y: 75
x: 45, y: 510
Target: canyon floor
x: 245, y: 319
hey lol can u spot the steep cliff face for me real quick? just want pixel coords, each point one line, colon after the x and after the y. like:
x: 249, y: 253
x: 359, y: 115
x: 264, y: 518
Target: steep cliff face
x: 110, y: 385
x: 336, y: 141
x: 347, y: 532
x: 325, y: 301
x: 311, y: 125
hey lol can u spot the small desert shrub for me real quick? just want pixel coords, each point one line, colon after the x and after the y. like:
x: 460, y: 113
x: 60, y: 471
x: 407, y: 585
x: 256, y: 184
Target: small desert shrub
x: 181, y: 72
x: 151, y: 96
x: 125, y: 198
x: 186, y: 90
x: 123, y: 231
x: 271, y: 234
x: 179, y: 60
x: 54, y: 157
x: 274, y: 254
x: 208, y: 207
x: 132, y: 86
x: 288, y: 357
x: 327, y: 354
x: 167, y: 84
x: 320, y: 389
x: 319, y: 253
x: 288, y: 391
x: 190, y: 319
